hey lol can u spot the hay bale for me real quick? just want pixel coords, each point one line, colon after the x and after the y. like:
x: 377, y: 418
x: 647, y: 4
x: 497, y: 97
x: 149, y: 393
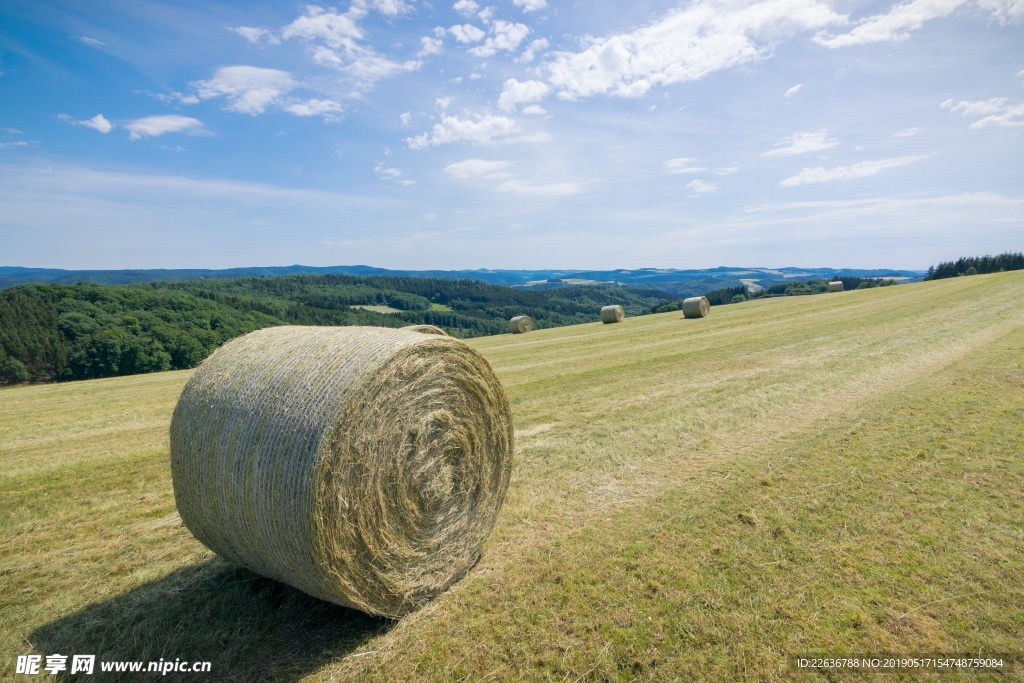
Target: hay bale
x: 836, y: 286
x: 425, y: 329
x: 362, y: 465
x: 696, y: 307
x: 520, y: 324
x: 612, y: 314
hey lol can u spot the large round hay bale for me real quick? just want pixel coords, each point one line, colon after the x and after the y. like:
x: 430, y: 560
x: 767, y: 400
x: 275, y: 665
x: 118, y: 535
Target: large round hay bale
x: 836, y: 286
x: 425, y: 329
x: 362, y: 465
x: 520, y: 324
x: 612, y: 314
x: 696, y: 307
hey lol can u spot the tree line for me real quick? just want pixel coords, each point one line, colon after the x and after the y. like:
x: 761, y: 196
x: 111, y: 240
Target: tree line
x: 88, y: 330
x: 976, y: 265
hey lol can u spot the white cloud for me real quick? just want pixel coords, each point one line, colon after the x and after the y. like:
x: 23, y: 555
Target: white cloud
x: 896, y: 24
x: 993, y: 112
x: 155, y: 126
x: 337, y: 30
x: 505, y: 35
x: 700, y: 186
x: 391, y: 174
x: 792, y: 91
x: 92, y: 42
x: 256, y: 35
x: 682, y: 165
x: 861, y: 170
x: 98, y: 122
x: 1005, y: 11
x: 704, y: 37
x: 727, y: 170
x: 315, y: 107
x: 466, y: 7
x: 535, y: 110
x: 803, y: 143
x: 532, y: 49
x: 531, y: 5
x: 519, y: 92
x: 390, y: 8
x: 477, y: 168
x: 405, y: 118
x: 907, y: 133
x: 474, y: 129
x: 467, y: 33
x: 335, y: 42
x: 431, y: 46
x: 486, y: 14
x: 248, y: 89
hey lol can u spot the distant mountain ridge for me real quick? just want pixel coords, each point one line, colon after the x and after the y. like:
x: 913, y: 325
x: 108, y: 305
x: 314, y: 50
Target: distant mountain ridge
x: 675, y: 281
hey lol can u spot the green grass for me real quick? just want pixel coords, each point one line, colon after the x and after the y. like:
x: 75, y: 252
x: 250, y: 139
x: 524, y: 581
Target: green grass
x: 691, y: 500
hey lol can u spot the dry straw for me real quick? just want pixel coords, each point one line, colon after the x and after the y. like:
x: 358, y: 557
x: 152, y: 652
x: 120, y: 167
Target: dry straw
x: 363, y: 465
x: 520, y: 324
x: 836, y: 286
x: 425, y: 329
x: 696, y: 307
x: 612, y: 314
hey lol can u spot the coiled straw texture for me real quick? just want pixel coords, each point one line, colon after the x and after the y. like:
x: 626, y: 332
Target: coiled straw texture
x: 836, y: 286
x: 612, y: 314
x: 362, y: 465
x: 520, y: 324
x: 696, y: 307
x: 425, y: 329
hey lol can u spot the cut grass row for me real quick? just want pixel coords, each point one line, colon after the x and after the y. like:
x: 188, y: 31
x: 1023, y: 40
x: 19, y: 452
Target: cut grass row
x: 691, y: 499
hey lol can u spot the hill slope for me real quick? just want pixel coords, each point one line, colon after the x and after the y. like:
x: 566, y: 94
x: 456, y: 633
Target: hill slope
x: 692, y: 499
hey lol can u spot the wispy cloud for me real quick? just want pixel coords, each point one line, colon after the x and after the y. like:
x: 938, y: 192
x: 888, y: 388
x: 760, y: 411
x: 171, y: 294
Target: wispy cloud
x: 907, y: 133
x: 900, y: 20
x: 98, y: 123
x: 993, y: 112
x: 803, y: 143
x: 685, y: 45
x: 92, y: 42
x: 861, y: 170
x: 476, y: 129
x: 516, y: 186
x: 247, y: 89
x: 478, y: 168
x: 498, y: 171
x: 682, y: 165
x: 256, y: 35
x: 155, y: 126
x: 700, y: 186
x: 794, y: 90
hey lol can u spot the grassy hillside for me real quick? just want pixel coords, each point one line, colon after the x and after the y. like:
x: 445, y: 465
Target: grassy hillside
x: 691, y: 499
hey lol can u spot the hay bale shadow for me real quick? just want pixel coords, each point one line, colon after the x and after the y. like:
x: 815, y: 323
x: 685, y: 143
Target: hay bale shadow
x: 250, y: 628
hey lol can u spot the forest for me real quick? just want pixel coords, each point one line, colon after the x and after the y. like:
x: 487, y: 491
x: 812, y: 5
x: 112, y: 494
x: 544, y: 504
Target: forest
x: 976, y: 265
x: 86, y: 330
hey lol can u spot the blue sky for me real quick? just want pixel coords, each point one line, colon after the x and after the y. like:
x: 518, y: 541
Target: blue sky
x: 512, y: 134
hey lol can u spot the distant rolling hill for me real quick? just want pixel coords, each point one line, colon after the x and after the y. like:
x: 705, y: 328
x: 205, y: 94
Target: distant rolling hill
x: 670, y: 280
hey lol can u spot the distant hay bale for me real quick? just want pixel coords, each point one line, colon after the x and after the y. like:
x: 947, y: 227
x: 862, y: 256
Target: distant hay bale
x: 520, y: 324
x: 612, y: 314
x: 836, y: 286
x: 425, y: 329
x: 362, y: 465
x: 696, y: 307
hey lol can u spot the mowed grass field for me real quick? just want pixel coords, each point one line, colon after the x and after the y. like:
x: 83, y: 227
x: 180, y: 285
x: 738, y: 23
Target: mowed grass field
x: 691, y: 500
